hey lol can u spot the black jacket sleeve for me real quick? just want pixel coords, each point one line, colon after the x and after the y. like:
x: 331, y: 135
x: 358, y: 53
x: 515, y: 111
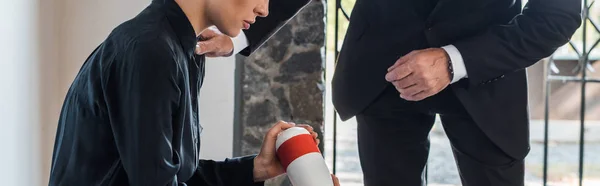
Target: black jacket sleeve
x: 231, y: 172
x: 143, y: 94
x: 531, y: 36
x: 280, y: 12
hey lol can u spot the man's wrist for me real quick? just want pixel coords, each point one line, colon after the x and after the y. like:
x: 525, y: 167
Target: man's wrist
x: 456, y: 62
x: 450, y: 66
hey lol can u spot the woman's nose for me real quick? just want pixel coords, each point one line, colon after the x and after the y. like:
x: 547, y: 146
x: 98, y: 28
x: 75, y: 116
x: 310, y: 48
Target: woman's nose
x: 262, y: 10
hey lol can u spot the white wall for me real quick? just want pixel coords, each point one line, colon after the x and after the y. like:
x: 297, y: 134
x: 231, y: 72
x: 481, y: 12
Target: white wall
x: 51, y: 93
x: 18, y: 93
x: 216, y: 108
x: 44, y: 43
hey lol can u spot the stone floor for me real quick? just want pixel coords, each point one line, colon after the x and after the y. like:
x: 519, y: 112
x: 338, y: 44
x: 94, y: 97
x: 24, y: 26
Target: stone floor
x: 563, y: 156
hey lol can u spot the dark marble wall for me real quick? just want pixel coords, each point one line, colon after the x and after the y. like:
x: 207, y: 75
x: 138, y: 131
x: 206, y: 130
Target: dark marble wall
x: 283, y: 80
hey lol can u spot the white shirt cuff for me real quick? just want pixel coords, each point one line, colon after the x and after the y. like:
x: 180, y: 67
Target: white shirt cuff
x: 458, y: 64
x: 240, y: 42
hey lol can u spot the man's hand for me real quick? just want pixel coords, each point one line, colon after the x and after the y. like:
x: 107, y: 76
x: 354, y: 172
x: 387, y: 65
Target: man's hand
x: 266, y: 164
x: 214, y: 44
x: 420, y: 74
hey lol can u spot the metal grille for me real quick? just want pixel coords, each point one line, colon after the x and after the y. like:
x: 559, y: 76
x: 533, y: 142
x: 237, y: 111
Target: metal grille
x: 584, y: 60
x: 345, y: 17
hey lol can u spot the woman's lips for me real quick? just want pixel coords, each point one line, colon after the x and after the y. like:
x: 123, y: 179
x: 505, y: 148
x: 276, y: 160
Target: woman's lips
x: 247, y: 25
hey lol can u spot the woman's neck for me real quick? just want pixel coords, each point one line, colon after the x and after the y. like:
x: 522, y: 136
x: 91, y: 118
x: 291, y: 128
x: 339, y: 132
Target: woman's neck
x: 196, y: 14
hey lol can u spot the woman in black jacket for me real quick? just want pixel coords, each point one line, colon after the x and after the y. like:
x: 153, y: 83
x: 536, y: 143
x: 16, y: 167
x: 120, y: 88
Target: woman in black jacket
x: 131, y: 115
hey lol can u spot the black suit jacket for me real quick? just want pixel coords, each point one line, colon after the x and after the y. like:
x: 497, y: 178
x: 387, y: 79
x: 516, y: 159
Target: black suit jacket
x: 495, y: 37
x: 131, y: 115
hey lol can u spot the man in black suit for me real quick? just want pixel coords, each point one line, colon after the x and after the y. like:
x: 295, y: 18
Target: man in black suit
x: 404, y: 61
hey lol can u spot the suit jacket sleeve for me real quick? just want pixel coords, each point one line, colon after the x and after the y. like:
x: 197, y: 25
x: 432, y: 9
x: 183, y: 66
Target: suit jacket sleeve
x: 280, y: 12
x: 231, y: 172
x: 543, y: 26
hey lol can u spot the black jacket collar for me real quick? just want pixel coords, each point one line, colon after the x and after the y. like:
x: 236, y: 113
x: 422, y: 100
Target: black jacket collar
x: 180, y: 24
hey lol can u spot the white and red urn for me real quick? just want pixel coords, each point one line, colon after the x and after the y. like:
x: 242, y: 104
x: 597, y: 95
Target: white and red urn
x: 301, y: 158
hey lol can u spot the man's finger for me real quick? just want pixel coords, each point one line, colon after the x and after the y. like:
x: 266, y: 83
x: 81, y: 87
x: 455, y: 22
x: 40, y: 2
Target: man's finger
x: 416, y: 97
x: 204, y: 47
x: 411, y: 91
x: 398, y: 73
x: 208, y: 33
x: 403, y: 59
x: 214, y: 54
x: 211, y: 55
x: 405, y: 82
x: 399, y: 62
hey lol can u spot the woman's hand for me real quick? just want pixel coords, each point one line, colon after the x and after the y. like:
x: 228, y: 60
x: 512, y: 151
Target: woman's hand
x: 266, y: 164
x: 336, y: 181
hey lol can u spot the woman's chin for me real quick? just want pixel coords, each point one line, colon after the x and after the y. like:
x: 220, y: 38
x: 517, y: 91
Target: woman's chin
x: 232, y: 32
